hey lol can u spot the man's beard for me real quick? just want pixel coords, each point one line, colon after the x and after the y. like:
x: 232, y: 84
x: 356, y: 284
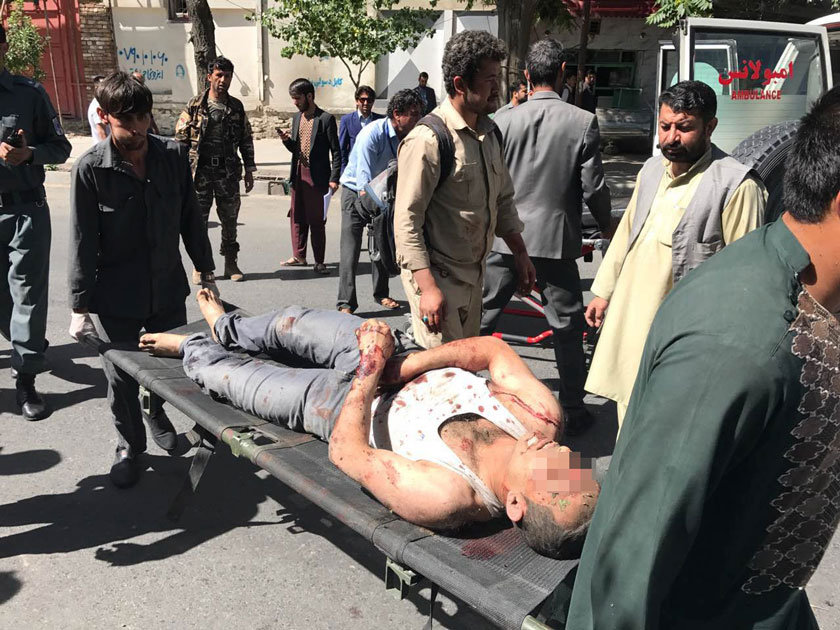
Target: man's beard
x: 682, y: 153
x: 134, y: 143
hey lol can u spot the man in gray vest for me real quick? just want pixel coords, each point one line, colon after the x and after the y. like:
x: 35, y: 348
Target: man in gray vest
x: 667, y: 230
x: 552, y: 150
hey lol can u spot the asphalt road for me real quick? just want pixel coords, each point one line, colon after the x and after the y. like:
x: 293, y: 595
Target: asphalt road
x: 248, y: 552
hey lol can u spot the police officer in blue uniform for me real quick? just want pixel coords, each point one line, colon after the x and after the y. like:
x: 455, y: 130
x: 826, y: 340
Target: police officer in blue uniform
x: 30, y: 136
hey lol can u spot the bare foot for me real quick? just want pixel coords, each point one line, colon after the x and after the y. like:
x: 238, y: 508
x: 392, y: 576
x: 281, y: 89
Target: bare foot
x: 162, y: 344
x: 211, y: 307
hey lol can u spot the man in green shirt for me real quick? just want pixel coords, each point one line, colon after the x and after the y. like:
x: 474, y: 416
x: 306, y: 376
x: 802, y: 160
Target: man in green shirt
x: 724, y: 489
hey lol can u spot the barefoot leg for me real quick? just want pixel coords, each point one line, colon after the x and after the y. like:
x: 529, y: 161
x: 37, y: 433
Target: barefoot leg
x: 211, y: 308
x: 162, y: 344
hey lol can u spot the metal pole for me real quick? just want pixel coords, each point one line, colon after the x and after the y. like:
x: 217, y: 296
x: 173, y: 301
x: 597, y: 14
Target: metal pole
x: 52, y: 65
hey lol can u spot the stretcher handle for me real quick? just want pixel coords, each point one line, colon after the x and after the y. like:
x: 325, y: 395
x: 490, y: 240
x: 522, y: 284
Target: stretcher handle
x: 600, y: 244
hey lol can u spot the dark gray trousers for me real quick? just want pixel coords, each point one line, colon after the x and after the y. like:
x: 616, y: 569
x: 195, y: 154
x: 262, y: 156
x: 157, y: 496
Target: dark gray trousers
x: 25, y: 235
x: 559, y: 282
x: 122, y: 389
x: 352, y: 229
x: 321, y: 345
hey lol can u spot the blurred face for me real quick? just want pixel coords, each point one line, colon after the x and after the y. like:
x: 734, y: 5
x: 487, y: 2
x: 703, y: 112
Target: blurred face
x: 422, y: 81
x: 365, y: 104
x: 404, y: 122
x: 683, y: 136
x: 551, y: 475
x: 572, y: 80
x: 590, y: 79
x: 220, y: 81
x: 302, y: 101
x: 128, y: 131
x: 521, y: 94
x: 482, y: 97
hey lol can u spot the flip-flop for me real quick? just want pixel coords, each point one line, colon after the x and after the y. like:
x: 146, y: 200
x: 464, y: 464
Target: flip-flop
x: 293, y: 262
x: 389, y: 303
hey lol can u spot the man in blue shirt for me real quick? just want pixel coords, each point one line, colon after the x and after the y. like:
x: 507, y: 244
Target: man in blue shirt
x: 375, y: 146
x: 354, y: 122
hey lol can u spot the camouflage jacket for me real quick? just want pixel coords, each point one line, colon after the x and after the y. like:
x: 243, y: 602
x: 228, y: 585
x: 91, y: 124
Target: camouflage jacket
x: 192, y: 125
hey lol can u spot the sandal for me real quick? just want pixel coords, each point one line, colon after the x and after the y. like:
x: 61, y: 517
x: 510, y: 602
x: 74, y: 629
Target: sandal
x: 389, y: 303
x: 293, y: 262
x: 345, y: 309
x: 321, y: 268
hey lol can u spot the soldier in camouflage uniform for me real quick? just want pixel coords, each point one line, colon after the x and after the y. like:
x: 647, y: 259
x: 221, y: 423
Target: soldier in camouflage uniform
x: 215, y: 127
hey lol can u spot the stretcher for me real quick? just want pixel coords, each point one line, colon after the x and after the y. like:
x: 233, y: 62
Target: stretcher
x: 488, y: 566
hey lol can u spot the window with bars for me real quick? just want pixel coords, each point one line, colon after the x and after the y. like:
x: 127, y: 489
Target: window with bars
x: 177, y: 10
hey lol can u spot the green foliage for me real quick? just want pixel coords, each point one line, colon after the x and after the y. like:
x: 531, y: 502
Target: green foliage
x: 357, y: 32
x: 669, y: 12
x: 26, y: 46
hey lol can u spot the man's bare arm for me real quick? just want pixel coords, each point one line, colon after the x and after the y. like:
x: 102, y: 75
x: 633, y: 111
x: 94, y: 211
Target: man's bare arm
x: 508, y: 372
x: 419, y: 492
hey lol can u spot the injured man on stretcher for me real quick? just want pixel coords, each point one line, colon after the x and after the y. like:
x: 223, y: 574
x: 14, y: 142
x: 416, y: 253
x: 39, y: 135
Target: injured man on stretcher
x: 435, y: 443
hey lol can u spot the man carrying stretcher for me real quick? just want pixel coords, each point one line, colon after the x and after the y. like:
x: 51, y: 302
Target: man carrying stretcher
x: 431, y: 440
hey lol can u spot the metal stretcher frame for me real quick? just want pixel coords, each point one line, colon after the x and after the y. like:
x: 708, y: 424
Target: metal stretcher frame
x: 488, y: 567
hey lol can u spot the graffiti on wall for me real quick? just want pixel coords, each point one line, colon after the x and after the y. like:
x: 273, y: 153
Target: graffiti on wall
x: 334, y: 82
x: 150, y: 63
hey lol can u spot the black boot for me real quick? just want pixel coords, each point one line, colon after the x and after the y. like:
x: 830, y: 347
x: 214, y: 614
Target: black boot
x: 32, y: 406
x: 124, y: 471
x: 163, y: 433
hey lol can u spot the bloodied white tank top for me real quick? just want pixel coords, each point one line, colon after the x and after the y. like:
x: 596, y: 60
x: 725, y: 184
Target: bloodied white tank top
x: 408, y: 422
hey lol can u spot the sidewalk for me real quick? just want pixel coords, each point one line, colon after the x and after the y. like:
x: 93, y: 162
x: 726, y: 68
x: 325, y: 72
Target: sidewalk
x: 274, y: 160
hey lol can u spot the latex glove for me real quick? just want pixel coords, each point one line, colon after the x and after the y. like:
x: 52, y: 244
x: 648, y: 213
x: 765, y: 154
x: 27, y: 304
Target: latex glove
x: 208, y: 281
x: 81, y: 325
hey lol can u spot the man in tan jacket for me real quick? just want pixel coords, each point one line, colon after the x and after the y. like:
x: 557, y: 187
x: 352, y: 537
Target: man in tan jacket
x: 444, y: 223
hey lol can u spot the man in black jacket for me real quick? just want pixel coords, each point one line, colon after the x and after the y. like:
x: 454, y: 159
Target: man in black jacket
x: 316, y: 167
x: 131, y: 199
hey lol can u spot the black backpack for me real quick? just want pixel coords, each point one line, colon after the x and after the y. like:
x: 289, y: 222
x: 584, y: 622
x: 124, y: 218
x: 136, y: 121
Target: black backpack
x: 377, y: 204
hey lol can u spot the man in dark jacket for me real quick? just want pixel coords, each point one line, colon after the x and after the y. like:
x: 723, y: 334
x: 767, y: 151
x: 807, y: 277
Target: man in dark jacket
x: 427, y: 94
x: 316, y: 167
x: 352, y: 123
x: 132, y: 197
x: 215, y: 128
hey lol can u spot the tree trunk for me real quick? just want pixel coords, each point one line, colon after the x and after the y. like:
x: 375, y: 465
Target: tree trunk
x: 516, y: 17
x: 203, y: 38
x: 584, y: 40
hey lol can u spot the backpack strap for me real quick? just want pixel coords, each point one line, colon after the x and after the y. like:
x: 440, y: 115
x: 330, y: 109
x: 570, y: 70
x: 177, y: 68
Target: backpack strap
x: 446, y: 145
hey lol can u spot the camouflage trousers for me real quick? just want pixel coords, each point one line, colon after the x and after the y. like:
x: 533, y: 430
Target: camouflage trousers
x: 215, y: 183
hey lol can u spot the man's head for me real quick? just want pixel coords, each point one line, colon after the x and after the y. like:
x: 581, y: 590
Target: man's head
x: 518, y: 92
x: 812, y: 176
x: 126, y: 105
x: 570, y: 78
x: 404, y: 110
x: 589, y: 79
x: 686, y: 121
x: 365, y: 96
x: 303, y: 94
x: 471, y: 65
x: 551, y: 497
x: 544, y: 64
x: 423, y: 79
x: 219, y: 76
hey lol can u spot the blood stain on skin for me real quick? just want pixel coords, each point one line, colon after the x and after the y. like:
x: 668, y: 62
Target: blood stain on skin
x: 466, y: 444
x: 369, y: 363
x: 391, y: 473
x: 529, y: 409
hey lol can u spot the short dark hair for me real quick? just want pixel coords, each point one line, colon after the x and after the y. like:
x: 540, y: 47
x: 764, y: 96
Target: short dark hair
x: 364, y: 89
x: 691, y: 97
x: 402, y: 101
x: 547, y: 537
x: 220, y: 63
x: 515, y: 85
x: 423, y: 75
x: 545, y: 62
x: 812, y: 178
x: 119, y: 94
x: 301, y: 86
x: 464, y: 53
x: 97, y: 78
